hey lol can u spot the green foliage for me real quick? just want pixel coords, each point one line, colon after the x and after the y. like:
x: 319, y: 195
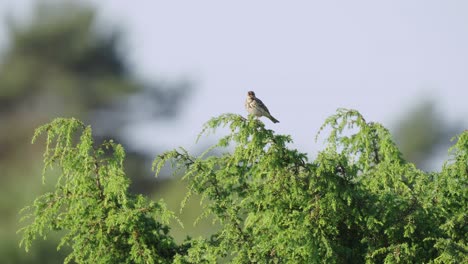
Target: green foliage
x: 102, y: 222
x: 62, y: 60
x: 451, y: 196
x: 359, y: 201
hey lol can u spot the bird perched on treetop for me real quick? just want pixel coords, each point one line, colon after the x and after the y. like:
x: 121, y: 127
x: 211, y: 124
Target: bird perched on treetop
x: 257, y: 108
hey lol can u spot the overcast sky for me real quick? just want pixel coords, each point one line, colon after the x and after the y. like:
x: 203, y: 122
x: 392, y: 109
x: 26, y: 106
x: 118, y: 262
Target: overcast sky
x: 304, y: 59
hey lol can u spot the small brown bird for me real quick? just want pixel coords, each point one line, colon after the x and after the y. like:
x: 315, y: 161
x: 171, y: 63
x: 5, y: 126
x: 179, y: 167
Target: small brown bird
x: 257, y: 108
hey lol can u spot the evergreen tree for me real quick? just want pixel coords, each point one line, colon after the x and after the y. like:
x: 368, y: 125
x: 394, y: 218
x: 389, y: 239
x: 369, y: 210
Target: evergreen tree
x: 422, y: 133
x: 61, y: 62
x: 358, y: 201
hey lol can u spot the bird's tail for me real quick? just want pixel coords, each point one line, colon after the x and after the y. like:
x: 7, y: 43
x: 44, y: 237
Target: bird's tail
x: 274, y: 120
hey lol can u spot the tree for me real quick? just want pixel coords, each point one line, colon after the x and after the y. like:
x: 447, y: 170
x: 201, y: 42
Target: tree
x: 358, y: 201
x: 423, y: 132
x: 61, y: 62
x: 91, y: 202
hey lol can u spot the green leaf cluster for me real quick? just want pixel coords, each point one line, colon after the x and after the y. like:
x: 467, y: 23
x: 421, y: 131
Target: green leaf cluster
x: 101, y: 221
x: 359, y: 201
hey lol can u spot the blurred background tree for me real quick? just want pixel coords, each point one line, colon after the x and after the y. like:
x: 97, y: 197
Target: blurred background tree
x: 423, y: 134
x: 63, y: 63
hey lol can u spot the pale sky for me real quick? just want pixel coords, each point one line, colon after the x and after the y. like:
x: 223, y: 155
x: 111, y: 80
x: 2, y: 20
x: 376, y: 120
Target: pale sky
x: 304, y: 59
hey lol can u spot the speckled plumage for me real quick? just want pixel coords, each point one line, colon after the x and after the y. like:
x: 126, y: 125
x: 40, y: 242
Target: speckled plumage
x: 256, y: 107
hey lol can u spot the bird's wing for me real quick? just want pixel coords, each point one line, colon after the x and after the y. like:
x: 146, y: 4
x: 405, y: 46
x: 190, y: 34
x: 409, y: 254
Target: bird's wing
x: 261, y: 105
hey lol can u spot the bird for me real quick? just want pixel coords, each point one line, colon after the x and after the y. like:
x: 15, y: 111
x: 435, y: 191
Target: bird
x: 257, y: 108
